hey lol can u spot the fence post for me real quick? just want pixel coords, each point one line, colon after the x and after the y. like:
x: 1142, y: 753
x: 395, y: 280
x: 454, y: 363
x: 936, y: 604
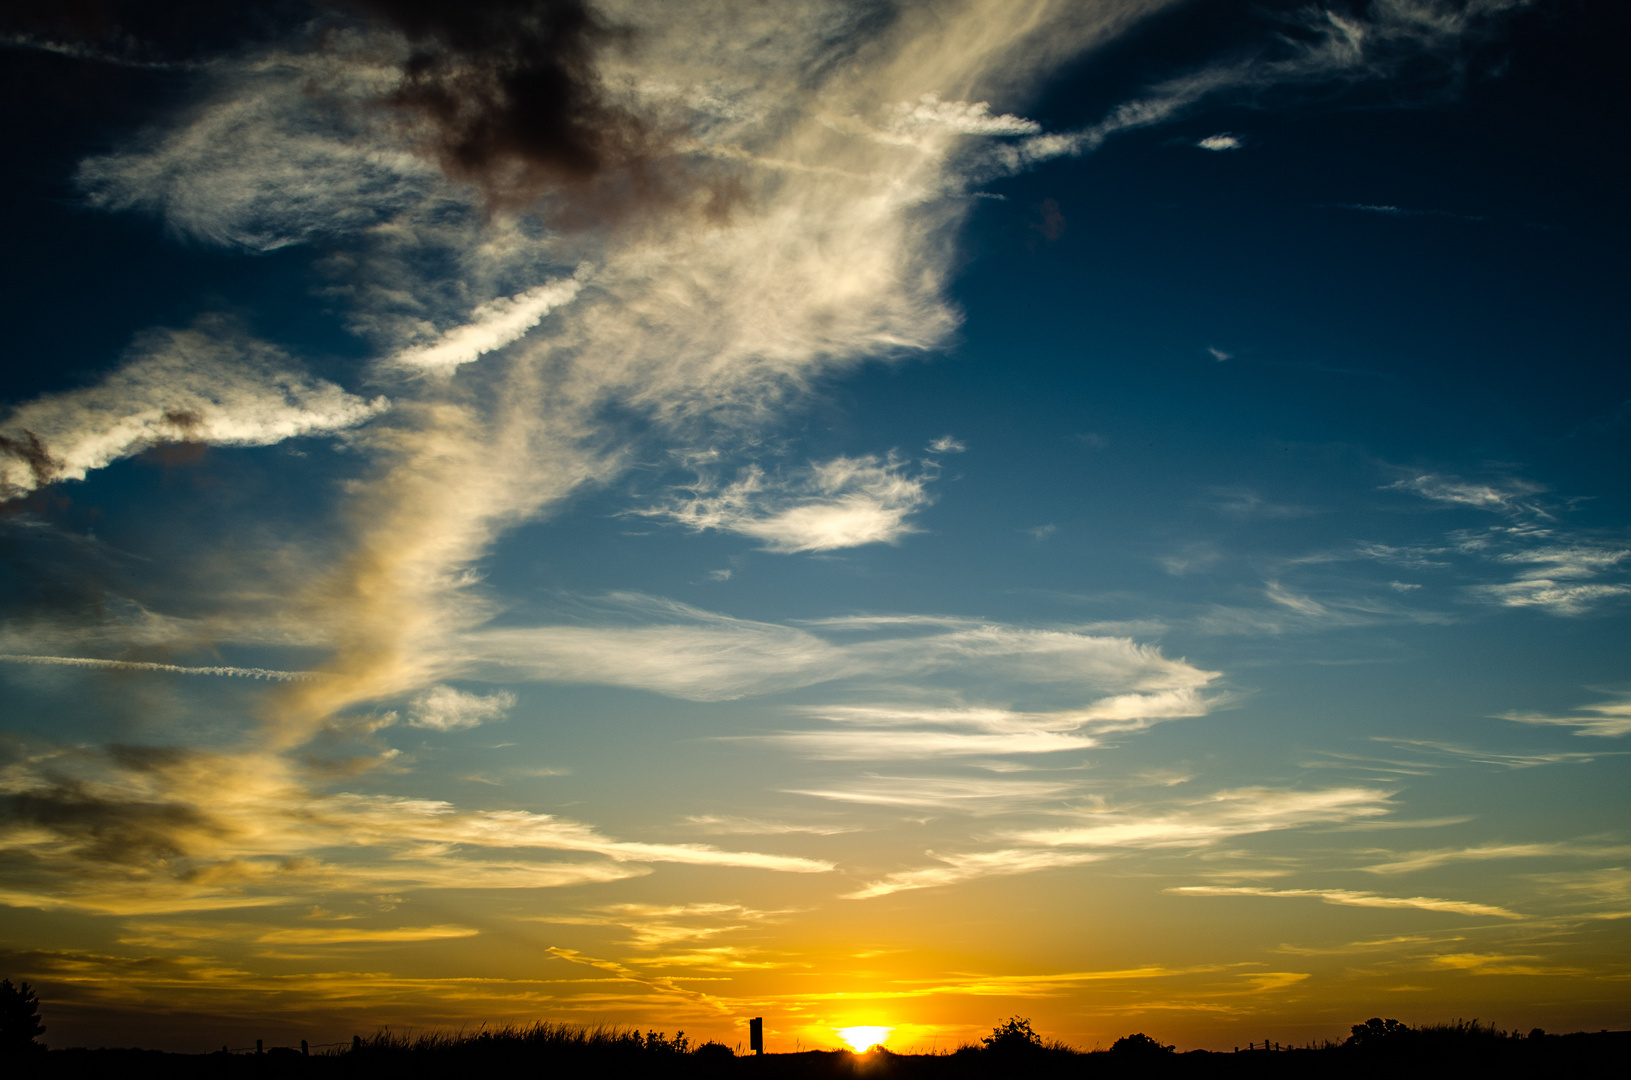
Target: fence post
x: 257, y: 1046
x: 756, y: 1035
x: 356, y: 1043
x: 305, y: 1051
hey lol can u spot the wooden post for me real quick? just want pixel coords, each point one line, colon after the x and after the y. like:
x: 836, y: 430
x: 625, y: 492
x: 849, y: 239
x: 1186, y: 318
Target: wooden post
x: 305, y: 1051
x: 257, y: 1046
x: 356, y: 1043
x: 756, y: 1035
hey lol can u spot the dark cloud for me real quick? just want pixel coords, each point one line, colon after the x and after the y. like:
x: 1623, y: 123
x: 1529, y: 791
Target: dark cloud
x: 96, y: 826
x: 103, y: 830
x: 31, y: 451
x: 513, y: 101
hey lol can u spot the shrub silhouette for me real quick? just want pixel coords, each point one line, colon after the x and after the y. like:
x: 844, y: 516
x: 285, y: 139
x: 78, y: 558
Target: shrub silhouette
x: 1140, y: 1044
x: 1377, y: 1033
x: 19, y: 1018
x: 713, y: 1051
x: 1013, y: 1035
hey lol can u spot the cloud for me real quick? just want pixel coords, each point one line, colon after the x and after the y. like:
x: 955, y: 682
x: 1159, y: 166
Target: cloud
x: 1221, y: 141
x: 1452, y: 491
x: 141, y: 829
x: 1201, y: 823
x: 845, y: 502
x: 957, y: 117
x: 945, y: 444
x: 969, y: 866
x: 971, y: 795
x: 660, y: 925
x: 1218, y: 354
x: 1350, y: 898
x: 1318, y: 47
x: 1503, y: 759
x: 874, y: 732
x: 492, y: 326
x: 686, y: 652
x: 206, y: 384
x: 169, y: 669
x: 1227, y: 814
x: 1428, y: 860
x: 1557, y: 598
x: 725, y: 824
x: 919, y: 745
x: 442, y: 708
x: 1608, y: 719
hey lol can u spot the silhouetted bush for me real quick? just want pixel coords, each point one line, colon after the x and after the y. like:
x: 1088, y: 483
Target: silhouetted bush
x: 19, y: 1019
x: 1376, y: 1033
x: 1140, y: 1044
x: 710, y: 1051
x: 1013, y: 1035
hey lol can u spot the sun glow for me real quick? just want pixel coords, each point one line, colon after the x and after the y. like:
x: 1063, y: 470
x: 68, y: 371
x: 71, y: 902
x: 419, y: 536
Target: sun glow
x: 862, y: 1039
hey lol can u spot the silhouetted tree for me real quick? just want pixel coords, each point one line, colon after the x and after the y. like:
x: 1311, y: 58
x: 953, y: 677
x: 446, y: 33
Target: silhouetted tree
x: 1140, y: 1044
x: 19, y: 1018
x: 1376, y: 1032
x: 1013, y: 1034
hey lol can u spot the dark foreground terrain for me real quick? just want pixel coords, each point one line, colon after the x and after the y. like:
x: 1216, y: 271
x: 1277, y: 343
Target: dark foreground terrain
x: 555, y: 1052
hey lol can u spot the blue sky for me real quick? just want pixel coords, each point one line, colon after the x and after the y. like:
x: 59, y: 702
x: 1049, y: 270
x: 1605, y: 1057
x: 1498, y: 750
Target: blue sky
x: 1117, y: 518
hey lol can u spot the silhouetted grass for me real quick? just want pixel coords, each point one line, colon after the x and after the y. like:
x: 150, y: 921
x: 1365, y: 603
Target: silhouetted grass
x: 545, y: 1051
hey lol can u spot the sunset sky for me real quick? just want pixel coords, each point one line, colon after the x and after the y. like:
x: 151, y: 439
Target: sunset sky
x: 855, y: 512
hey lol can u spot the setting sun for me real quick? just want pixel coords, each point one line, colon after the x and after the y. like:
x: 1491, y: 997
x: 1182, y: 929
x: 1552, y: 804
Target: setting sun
x: 862, y: 1039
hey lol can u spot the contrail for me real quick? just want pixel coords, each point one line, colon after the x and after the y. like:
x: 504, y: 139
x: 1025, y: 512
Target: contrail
x: 175, y: 669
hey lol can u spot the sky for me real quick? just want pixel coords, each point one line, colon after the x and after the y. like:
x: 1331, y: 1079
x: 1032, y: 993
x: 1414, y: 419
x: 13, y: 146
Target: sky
x: 851, y: 512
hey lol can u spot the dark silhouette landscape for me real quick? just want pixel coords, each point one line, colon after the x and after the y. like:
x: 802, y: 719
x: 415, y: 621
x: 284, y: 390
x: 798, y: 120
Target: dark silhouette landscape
x: 1377, y: 1047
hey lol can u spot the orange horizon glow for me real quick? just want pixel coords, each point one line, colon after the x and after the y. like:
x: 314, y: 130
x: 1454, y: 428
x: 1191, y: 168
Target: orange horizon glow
x: 864, y: 1038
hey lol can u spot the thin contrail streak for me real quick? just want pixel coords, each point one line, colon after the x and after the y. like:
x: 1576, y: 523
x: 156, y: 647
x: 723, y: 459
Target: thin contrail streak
x: 174, y: 669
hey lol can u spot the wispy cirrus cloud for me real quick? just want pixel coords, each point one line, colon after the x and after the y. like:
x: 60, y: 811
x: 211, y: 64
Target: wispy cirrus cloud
x: 979, y: 796
x: 1410, y: 862
x: 845, y: 502
x: 1096, y: 836
x: 210, y: 383
x: 1608, y: 719
x: 1559, y: 570
x: 187, y: 830
x: 1351, y: 898
x: 687, y: 652
x: 491, y: 326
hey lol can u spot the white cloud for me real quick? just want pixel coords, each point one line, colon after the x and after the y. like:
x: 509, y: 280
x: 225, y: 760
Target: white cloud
x: 442, y: 708
x: 148, y: 830
x: 969, y: 866
x: 1558, y: 598
x: 1201, y: 823
x: 1428, y: 860
x: 1350, y: 898
x: 276, y: 155
x: 1218, y: 354
x: 206, y: 384
x: 1453, y: 491
x: 969, y: 795
x: 945, y: 444
x: 690, y: 653
x: 919, y: 745
x: 492, y: 326
x: 1227, y: 814
x: 1608, y: 719
x: 845, y: 502
x: 169, y: 669
x: 1221, y: 141
x: 957, y: 117
x: 729, y: 825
